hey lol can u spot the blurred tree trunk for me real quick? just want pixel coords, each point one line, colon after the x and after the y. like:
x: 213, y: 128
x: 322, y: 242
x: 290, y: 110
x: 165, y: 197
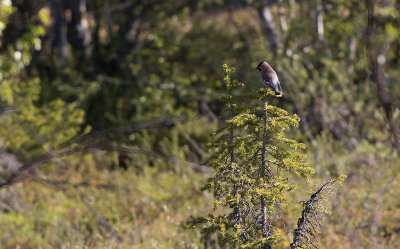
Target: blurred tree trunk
x: 269, y: 27
x: 282, y: 16
x: 95, y: 47
x: 59, y: 43
x: 320, y: 21
x: 377, y: 54
x: 78, y: 29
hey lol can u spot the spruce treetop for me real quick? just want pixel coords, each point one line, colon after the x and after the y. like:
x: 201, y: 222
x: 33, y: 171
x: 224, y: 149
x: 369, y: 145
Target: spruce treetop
x: 253, y: 158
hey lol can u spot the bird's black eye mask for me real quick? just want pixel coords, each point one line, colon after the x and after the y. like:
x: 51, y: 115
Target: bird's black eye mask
x: 259, y: 65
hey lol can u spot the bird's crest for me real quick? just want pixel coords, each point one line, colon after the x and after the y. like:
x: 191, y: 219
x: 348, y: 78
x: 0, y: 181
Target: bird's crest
x: 261, y: 62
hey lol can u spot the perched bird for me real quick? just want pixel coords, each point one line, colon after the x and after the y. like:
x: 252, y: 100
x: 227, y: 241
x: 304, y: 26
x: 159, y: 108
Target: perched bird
x: 269, y: 77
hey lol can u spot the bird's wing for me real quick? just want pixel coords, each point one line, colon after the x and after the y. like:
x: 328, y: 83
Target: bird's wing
x: 265, y: 77
x: 275, y: 85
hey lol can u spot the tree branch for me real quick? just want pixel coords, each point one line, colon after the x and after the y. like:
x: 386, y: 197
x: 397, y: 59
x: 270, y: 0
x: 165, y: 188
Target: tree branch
x: 21, y: 175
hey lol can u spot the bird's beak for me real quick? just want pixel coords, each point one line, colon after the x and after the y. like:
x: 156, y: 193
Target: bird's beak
x: 258, y: 68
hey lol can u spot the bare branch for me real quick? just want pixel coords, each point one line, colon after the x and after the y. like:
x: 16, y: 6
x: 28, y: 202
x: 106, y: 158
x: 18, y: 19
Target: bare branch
x: 20, y: 175
x: 313, y: 211
x: 154, y: 123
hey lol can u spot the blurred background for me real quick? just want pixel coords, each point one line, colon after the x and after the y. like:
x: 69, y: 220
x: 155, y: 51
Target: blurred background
x: 106, y: 108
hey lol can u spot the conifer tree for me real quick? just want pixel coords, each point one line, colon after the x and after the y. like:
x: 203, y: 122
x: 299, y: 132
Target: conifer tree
x: 252, y: 158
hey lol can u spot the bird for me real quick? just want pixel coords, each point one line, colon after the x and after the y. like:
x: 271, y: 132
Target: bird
x: 269, y: 77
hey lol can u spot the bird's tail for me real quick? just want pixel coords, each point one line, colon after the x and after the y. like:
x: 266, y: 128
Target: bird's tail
x: 276, y: 88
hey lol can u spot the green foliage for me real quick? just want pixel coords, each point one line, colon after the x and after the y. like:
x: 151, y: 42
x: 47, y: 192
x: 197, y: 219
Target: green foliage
x: 36, y: 129
x: 18, y: 54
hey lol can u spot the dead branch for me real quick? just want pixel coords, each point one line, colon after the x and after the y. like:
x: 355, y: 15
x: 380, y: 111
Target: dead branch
x: 309, y: 224
x: 21, y: 174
